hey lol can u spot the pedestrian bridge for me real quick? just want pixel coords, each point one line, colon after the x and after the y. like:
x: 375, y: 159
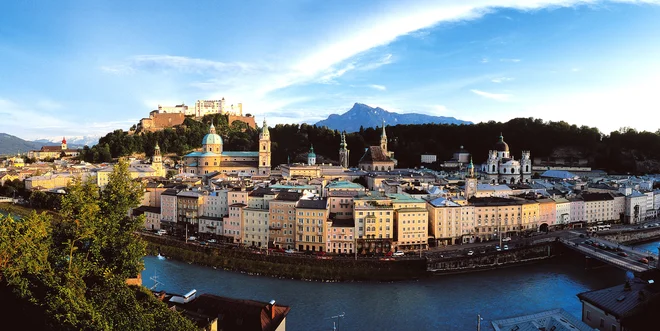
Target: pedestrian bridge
x: 631, y: 262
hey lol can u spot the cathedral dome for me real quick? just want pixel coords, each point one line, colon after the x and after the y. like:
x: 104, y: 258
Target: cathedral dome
x: 212, y: 139
x: 501, y: 146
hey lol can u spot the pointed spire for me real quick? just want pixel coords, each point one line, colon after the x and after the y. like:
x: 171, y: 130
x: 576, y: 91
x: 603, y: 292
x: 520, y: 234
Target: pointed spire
x: 212, y: 128
x: 264, y: 128
x: 383, y: 134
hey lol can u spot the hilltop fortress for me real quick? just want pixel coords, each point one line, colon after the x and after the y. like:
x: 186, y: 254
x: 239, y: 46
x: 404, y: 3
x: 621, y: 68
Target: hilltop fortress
x: 169, y: 116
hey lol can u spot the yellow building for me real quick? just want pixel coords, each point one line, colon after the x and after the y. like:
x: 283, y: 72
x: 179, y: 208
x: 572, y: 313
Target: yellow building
x: 54, y: 152
x: 374, y: 217
x: 136, y: 170
x: 311, y: 227
x: 213, y: 158
x: 494, y: 216
x: 282, y: 219
x: 412, y: 228
x: 451, y: 223
x: 50, y: 181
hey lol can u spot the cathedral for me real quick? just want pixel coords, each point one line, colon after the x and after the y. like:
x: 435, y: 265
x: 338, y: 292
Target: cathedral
x: 502, y: 168
x: 213, y: 158
x: 378, y: 158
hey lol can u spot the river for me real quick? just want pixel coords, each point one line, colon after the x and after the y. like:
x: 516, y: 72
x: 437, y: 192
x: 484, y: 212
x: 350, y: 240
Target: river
x: 441, y: 303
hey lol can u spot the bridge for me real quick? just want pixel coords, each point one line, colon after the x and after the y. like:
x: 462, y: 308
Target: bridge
x: 631, y: 260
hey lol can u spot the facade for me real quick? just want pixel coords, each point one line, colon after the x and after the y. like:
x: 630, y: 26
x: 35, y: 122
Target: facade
x: 562, y: 211
x: 188, y: 205
x: 311, y: 156
x: 378, y: 158
x: 283, y: 219
x: 502, y: 168
x: 429, y: 158
x: 49, y: 181
x: 213, y: 159
x: 54, y: 152
x: 547, y: 213
x: 506, y: 217
x: 311, y: 225
x: 412, y: 228
x: 168, y: 205
x: 160, y: 120
x: 577, y: 210
x: 136, y: 170
x: 233, y: 222
x: 151, y: 217
x: 635, y: 208
x: 598, y: 207
x: 214, y: 203
x: 211, y: 225
x: 618, y: 206
x: 340, y: 236
x: 255, y: 227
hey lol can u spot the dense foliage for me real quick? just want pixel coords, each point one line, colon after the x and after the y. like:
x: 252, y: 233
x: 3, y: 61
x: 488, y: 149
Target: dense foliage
x: 621, y: 151
x: 69, y: 273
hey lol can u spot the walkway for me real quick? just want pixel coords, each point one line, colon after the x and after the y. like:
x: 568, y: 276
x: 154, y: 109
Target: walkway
x: 630, y: 262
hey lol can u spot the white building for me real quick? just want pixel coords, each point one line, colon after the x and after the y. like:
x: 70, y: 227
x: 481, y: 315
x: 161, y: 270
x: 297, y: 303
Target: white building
x: 211, y: 225
x: 502, y: 168
x: 490, y: 190
x: 255, y: 227
x: 598, y: 207
x: 635, y: 209
x: 577, y: 210
x: 215, y: 203
x: 429, y: 158
x: 650, y: 210
x: 563, y: 211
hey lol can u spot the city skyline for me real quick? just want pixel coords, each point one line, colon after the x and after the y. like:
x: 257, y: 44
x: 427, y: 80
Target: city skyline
x: 75, y: 68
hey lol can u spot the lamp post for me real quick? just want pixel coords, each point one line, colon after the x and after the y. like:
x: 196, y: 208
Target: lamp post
x: 479, y: 319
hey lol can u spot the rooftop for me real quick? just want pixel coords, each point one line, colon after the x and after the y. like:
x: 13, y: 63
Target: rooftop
x: 343, y: 184
x: 617, y: 300
x: 312, y: 204
x: 556, y: 319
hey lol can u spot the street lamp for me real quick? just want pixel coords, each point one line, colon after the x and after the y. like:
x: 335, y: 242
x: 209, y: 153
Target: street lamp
x: 479, y: 319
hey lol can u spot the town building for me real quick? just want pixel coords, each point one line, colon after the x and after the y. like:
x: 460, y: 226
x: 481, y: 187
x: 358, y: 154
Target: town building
x: 54, y: 152
x: 598, y: 207
x: 562, y: 211
x: 160, y: 120
x: 255, y: 227
x: 213, y: 159
x: 378, y: 158
x: 311, y: 227
x: 233, y: 223
x: 340, y: 236
x: 283, y: 219
x: 168, y: 205
x: 188, y: 210
x: 151, y: 217
x: 635, y: 207
x: 501, y: 167
x: 555, y: 320
x: 450, y: 223
x: 429, y: 158
x: 458, y: 160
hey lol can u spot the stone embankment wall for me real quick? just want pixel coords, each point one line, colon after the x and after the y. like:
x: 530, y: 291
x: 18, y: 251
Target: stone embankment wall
x: 630, y: 237
x: 294, y: 266
x: 493, y: 260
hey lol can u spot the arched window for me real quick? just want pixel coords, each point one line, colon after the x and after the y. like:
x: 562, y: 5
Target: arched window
x: 206, y: 163
x: 264, y: 147
x: 389, y: 168
x: 493, y: 168
x: 511, y: 170
x: 527, y: 168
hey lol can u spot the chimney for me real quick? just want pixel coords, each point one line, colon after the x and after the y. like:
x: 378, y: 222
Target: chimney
x: 161, y: 296
x: 271, y: 304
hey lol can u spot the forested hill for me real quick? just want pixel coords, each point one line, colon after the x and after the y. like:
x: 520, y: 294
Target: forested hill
x: 621, y: 151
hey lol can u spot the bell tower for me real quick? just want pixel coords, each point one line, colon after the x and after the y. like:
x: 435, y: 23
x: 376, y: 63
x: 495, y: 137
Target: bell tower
x: 470, y: 182
x: 343, y: 151
x: 157, y: 162
x: 383, y: 140
x: 64, y: 147
x: 264, y: 151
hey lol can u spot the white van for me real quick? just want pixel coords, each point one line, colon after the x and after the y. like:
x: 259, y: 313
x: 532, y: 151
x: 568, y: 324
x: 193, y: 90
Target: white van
x: 397, y: 253
x: 161, y: 232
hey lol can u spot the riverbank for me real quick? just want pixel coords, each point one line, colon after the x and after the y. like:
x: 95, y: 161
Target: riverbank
x: 21, y: 211
x: 290, y: 267
x: 310, y: 268
x: 633, y: 237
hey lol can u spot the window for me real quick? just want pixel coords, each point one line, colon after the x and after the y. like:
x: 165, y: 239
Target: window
x: 588, y: 315
x: 602, y: 323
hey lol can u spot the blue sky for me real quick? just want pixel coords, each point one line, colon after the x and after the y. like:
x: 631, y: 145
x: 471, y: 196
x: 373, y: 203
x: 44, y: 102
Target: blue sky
x: 88, y: 67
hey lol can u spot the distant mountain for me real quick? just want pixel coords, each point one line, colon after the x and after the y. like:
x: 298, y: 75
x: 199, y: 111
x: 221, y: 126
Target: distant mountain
x: 10, y: 145
x: 73, y: 141
x: 363, y: 115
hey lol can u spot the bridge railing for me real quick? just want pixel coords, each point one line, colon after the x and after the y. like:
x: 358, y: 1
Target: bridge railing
x: 605, y: 258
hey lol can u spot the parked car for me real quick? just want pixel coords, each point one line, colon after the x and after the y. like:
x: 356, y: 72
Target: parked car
x: 506, y: 247
x: 212, y: 241
x: 161, y: 232
x: 644, y: 260
x: 622, y: 254
x: 203, y: 243
x: 192, y: 238
x: 397, y: 253
x: 470, y: 253
x: 507, y: 239
x: 497, y: 248
x: 290, y: 251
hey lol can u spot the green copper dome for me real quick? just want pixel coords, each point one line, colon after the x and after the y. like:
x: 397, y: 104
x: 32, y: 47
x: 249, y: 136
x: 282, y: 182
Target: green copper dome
x: 212, y: 139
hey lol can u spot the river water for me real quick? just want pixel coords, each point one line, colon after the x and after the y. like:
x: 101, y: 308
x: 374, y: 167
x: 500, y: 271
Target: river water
x: 440, y: 303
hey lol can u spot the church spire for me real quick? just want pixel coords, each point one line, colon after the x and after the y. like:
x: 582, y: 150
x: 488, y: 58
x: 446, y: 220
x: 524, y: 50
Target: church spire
x: 212, y: 128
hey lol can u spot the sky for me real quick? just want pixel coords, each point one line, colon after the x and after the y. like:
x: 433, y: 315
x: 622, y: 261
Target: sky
x: 86, y: 67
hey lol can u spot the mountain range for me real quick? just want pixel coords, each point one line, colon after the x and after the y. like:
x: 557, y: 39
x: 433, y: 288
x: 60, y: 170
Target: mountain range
x: 75, y: 140
x: 10, y: 145
x: 362, y: 115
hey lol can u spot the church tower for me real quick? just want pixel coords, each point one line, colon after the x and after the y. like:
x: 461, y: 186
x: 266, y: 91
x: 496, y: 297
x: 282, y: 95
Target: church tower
x: 264, y: 151
x: 470, y: 181
x: 383, y: 140
x: 311, y: 156
x: 157, y: 162
x: 343, y: 151
x: 64, y: 147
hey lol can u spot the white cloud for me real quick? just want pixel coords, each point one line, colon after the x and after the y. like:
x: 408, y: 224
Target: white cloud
x: 575, y: 69
x: 378, y: 87
x: 484, y: 60
x: 510, y: 60
x: 501, y: 80
x: 176, y: 63
x: 494, y: 96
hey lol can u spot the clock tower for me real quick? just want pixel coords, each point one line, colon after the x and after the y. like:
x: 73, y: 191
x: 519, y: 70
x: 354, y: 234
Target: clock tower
x: 470, y: 182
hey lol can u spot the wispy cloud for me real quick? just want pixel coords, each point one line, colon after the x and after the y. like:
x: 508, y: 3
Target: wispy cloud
x: 510, y: 60
x: 378, y: 87
x: 387, y: 59
x: 494, y: 96
x: 484, y: 60
x: 501, y: 80
x: 176, y: 63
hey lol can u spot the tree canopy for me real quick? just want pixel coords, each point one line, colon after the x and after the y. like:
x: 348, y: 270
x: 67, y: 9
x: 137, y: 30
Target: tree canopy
x: 69, y: 273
